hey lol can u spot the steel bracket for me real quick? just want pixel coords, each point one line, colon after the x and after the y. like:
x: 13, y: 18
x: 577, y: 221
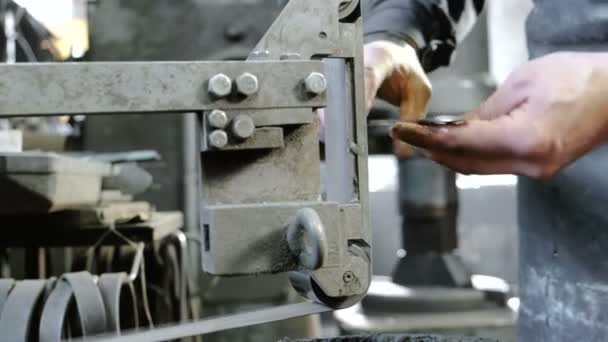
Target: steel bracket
x: 265, y: 208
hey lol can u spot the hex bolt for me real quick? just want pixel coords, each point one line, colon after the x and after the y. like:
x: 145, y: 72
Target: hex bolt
x: 243, y: 127
x: 247, y: 84
x: 217, y: 119
x: 218, y: 139
x: 348, y: 277
x: 315, y: 83
x: 220, y: 85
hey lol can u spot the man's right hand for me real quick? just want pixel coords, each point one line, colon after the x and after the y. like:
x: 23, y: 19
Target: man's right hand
x: 393, y: 72
x: 550, y: 112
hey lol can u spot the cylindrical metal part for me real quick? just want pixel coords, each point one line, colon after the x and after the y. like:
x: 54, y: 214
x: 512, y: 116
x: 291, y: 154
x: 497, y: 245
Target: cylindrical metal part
x: 429, y: 206
x: 315, y: 83
x: 243, y: 127
x: 218, y: 139
x: 247, y: 84
x: 306, y: 239
x: 217, y: 119
x: 220, y: 85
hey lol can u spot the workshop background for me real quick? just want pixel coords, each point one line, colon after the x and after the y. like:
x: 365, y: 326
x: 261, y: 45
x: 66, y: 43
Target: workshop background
x: 444, y: 246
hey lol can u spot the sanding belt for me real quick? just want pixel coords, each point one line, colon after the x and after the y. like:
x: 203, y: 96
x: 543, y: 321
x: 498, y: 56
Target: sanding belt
x: 93, y: 302
x: 19, y: 308
x: 222, y: 323
x: 98, y: 306
x: 111, y: 286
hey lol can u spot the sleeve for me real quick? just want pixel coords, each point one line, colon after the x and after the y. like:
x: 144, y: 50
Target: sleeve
x: 432, y: 27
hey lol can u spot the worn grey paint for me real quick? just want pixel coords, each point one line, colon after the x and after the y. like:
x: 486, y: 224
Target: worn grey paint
x: 104, y: 88
x: 235, y: 182
x: 244, y: 191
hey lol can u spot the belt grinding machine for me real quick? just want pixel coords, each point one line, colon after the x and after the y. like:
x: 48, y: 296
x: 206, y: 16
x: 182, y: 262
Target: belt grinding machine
x: 263, y: 207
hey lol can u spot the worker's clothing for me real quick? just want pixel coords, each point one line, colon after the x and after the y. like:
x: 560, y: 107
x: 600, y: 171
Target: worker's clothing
x: 433, y: 27
x: 563, y: 221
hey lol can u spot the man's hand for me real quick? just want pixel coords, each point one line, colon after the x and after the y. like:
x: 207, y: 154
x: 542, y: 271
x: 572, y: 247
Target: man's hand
x: 549, y: 113
x: 393, y: 73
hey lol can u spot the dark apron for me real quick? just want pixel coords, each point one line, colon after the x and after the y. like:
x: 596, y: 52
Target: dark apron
x: 564, y: 221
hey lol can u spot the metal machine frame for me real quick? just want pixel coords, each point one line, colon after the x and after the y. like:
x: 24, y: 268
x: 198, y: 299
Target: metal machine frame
x: 263, y: 209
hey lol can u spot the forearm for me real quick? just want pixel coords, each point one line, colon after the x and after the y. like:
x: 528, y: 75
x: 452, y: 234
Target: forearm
x: 432, y: 27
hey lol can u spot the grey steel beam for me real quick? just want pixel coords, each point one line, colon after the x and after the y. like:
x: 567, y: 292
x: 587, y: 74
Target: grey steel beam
x: 106, y: 88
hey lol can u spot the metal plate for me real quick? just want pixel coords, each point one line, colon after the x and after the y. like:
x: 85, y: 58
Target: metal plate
x: 98, y: 88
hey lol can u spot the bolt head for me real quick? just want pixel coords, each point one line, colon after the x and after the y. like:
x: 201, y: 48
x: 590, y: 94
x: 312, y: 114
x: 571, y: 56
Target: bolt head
x: 217, y: 119
x: 316, y: 83
x: 243, y: 127
x: 220, y: 85
x: 218, y: 139
x: 247, y: 84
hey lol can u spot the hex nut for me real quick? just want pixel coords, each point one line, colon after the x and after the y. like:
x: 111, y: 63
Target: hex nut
x: 217, y: 119
x: 243, y: 127
x: 220, y: 85
x: 315, y: 83
x: 218, y: 139
x: 247, y: 84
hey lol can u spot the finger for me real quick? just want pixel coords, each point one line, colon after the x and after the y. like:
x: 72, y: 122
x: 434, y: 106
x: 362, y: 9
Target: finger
x: 402, y: 150
x: 483, y: 166
x: 415, y: 101
x: 378, y: 64
x: 394, y: 73
x: 498, y: 138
